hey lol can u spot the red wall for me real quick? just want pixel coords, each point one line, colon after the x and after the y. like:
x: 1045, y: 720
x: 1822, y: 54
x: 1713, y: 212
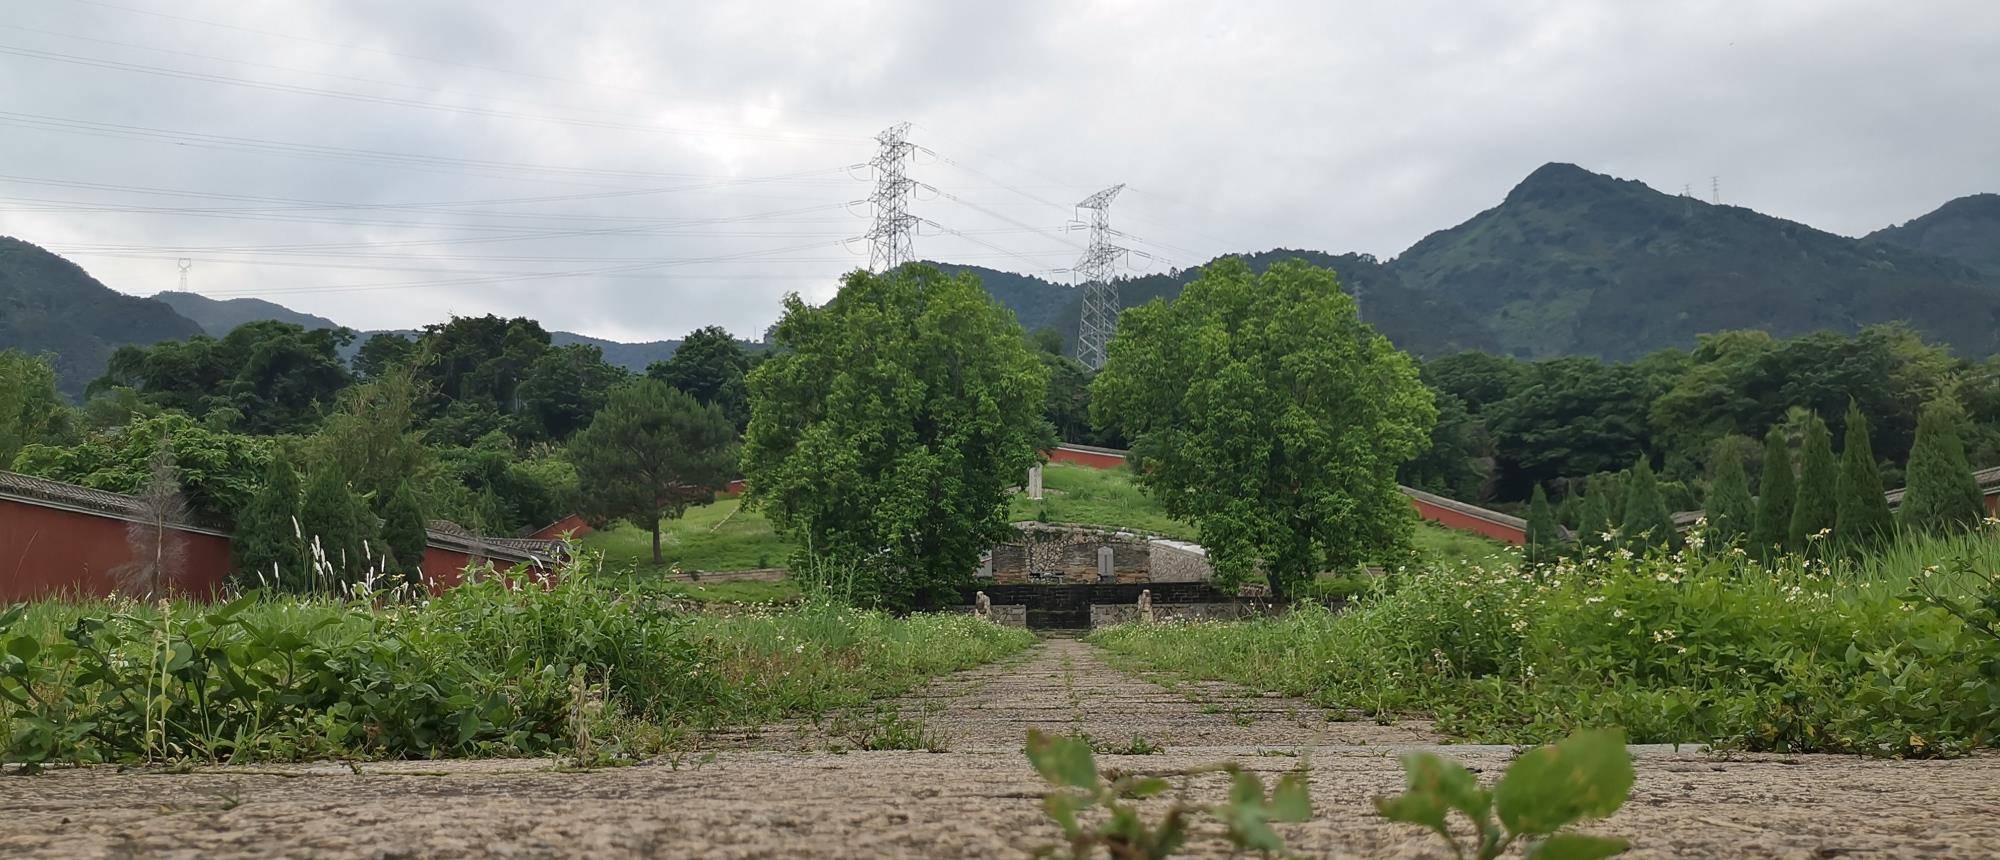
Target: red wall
x: 1085, y: 458
x: 1467, y: 523
x: 572, y: 525
x: 47, y: 551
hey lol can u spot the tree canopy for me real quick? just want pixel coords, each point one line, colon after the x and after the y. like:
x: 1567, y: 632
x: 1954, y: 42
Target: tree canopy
x: 1269, y: 415
x: 888, y: 426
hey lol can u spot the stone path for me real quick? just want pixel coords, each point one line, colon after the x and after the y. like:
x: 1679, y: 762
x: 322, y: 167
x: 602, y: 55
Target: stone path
x: 807, y: 791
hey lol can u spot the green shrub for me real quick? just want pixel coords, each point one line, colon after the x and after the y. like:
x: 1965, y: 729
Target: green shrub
x: 1696, y: 646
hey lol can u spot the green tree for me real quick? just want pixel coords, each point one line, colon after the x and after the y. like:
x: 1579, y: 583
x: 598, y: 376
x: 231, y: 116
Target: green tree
x: 372, y: 439
x: 1477, y: 379
x: 1544, y: 541
x: 710, y: 364
x: 32, y: 410
x: 888, y: 427
x: 1816, y: 508
x: 650, y: 452
x: 266, y: 376
x: 329, y: 516
x: 1647, y: 522
x: 1593, y: 519
x: 405, y: 533
x: 1732, y: 514
x: 383, y: 352
x: 563, y: 388
x: 266, y: 545
x: 1270, y: 416
x: 1941, y: 494
x: 1575, y: 417
x: 1458, y: 462
x: 1776, y: 496
x: 1862, y: 517
x: 218, y: 472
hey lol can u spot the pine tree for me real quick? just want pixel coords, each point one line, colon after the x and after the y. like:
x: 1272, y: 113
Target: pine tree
x: 404, y: 534
x: 1730, y: 511
x: 1544, y: 542
x: 1862, y: 521
x: 327, y: 514
x: 1776, y: 495
x: 1593, y: 519
x: 1816, y: 507
x: 1647, y: 522
x: 1940, y: 494
x: 266, y: 545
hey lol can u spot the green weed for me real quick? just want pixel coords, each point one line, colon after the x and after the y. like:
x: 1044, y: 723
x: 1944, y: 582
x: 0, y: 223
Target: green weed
x: 1583, y: 778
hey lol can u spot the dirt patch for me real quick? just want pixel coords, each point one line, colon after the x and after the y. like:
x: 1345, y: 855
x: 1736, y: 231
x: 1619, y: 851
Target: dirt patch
x: 804, y: 790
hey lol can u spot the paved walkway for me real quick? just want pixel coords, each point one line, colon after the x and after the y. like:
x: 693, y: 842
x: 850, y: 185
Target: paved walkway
x: 809, y: 791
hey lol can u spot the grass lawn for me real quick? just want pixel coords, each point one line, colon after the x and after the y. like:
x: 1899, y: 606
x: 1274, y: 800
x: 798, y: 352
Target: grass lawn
x: 710, y: 537
x: 720, y: 537
x: 741, y: 591
x: 1098, y: 497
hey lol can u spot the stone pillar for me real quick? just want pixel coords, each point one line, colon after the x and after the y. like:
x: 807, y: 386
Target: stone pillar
x: 986, y: 566
x: 1105, y: 571
x: 1035, y: 482
x: 1146, y: 606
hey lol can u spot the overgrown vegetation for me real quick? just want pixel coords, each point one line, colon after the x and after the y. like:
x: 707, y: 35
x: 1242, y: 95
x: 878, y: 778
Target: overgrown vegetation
x: 1834, y: 654
x: 487, y: 668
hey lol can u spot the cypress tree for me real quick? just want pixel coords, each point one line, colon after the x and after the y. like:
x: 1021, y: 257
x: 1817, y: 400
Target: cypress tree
x: 1816, y: 508
x: 1593, y: 519
x: 1862, y: 520
x: 265, y: 545
x: 1731, y: 513
x: 1543, y: 539
x: 1647, y: 521
x: 1940, y: 494
x: 404, y: 534
x: 328, y: 514
x: 1775, y: 496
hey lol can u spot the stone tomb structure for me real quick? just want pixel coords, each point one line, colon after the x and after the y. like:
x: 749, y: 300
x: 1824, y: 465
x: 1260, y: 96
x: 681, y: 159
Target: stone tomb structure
x: 1077, y: 577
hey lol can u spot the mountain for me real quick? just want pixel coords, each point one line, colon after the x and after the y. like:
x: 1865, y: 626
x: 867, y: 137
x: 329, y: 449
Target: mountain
x: 1966, y: 230
x: 1422, y: 324
x: 1573, y: 262
x: 49, y: 304
x: 219, y: 317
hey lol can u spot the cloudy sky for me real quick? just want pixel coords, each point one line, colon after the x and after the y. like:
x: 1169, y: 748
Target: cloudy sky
x: 633, y: 169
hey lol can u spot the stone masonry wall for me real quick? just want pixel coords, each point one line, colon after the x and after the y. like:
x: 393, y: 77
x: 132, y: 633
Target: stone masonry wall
x: 1178, y: 561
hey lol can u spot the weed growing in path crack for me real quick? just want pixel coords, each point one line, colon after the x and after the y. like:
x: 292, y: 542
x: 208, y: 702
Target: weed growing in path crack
x: 1120, y: 828
x: 887, y: 729
x: 1583, y: 778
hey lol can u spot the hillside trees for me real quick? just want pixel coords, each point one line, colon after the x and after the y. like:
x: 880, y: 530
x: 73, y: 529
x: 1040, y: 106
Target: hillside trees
x: 263, y: 378
x: 710, y: 365
x: 563, y: 389
x: 1575, y: 416
x: 888, y: 426
x: 1271, y: 417
x: 652, y: 451
x: 218, y: 472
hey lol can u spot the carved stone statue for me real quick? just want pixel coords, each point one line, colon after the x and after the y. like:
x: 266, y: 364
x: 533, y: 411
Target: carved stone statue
x: 982, y: 607
x: 1146, y: 606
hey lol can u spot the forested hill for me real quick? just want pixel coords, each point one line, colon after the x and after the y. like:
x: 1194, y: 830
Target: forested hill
x: 219, y: 317
x: 1425, y: 325
x: 49, y: 305
x: 1966, y: 230
x: 1577, y: 263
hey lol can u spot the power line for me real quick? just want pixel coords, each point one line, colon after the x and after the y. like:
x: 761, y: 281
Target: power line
x: 1100, y: 293
x: 229, y: 80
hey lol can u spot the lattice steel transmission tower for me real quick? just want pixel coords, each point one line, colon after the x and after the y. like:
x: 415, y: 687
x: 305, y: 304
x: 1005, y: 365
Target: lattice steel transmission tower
x: 1095, y: 267
x: 890, y: 240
